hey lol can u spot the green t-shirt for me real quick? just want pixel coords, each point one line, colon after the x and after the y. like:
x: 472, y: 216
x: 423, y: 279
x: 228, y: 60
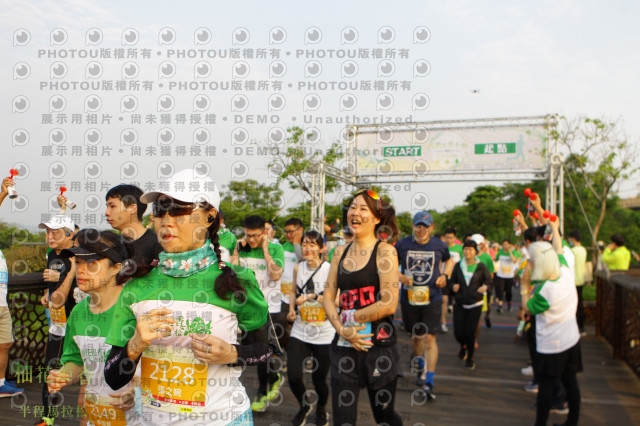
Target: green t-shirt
x: 486, y: 259
x: 455, y: 251
x: 506, y: 266
x: 255, y: 261
x: 227, y: 241
x: 84, y: 345
x: 618, y: 259
x: 173, y: 380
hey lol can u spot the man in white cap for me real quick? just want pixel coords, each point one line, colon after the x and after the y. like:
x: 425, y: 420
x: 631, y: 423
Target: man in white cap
x: 58, y: 298
x: 421, y: 258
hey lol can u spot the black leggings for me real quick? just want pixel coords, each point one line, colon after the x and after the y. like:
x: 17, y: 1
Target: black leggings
x: 351, y: 370
x: 503, y: 288
x: 53, y: 353
x: 297, y: 355
x: 465, y: 323
x: 563, y: 366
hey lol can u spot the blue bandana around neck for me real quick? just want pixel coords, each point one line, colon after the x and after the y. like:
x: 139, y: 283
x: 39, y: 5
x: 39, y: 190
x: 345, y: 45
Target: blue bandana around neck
x: 189, y: 262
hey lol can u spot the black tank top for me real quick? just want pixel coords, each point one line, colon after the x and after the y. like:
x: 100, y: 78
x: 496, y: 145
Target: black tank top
x: 359, y: 289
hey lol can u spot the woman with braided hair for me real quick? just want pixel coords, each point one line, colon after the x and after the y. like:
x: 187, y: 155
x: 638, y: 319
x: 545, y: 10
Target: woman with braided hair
x: 180, y: 321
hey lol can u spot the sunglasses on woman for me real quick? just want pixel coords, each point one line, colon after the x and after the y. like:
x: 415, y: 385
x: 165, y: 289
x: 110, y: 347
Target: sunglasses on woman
x: 159, y: 209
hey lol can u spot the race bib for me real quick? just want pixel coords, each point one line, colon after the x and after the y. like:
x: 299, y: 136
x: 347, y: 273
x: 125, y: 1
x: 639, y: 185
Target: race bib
x: 173, y: 383
x: 58, y: 316
x: 506, y: 269
x: 286, y: 287
x: 312, y: 313
x: 101, y: 413
x: 418, y: 295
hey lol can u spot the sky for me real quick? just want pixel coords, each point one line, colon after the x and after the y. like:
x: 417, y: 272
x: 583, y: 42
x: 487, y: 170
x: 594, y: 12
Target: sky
x: 472, y: 60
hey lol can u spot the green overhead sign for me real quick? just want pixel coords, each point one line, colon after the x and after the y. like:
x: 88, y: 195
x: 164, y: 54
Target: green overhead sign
x: 402, y: 151
x: 495, y: 148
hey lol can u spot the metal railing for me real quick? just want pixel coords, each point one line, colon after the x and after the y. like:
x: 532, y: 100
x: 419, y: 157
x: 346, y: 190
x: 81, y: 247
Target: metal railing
x: 618, y: 314
x: 30, y: 325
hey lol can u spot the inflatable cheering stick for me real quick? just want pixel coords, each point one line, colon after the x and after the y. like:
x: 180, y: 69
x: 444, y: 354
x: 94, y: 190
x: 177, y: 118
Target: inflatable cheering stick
x: 68, y: 203
x: 12, y: 190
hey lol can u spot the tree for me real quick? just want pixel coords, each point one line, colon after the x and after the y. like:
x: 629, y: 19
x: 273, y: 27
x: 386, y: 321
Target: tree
x: 248, y: 198
x: 294, y: 158
x: 598, y: 156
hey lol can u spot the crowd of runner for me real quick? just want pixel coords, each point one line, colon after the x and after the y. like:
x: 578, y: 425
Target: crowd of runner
x: 161, y: 321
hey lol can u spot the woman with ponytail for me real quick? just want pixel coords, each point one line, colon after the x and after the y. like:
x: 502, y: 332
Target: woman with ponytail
x: 364, y: 351
x: 180, y: 321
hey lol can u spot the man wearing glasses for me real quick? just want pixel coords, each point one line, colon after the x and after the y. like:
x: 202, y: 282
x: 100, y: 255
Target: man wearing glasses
x: 420, y: 257
x: 266, y: 260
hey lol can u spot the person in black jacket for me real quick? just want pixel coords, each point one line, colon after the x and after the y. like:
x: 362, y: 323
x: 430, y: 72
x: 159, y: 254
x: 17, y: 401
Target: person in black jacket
x: 469, y: 281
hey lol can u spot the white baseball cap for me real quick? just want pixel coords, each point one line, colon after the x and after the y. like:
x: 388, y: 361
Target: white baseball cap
x: 58, y: 221
x: 479, y: 239
x: 187, y: 186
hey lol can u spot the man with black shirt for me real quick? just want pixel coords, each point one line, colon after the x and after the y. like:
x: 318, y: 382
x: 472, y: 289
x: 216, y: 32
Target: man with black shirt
x: 124, y: 213
x: 421, y: 294
x: 58, y: 298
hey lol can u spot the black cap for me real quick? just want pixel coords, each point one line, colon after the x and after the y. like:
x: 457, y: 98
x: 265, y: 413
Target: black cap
x: 93, y: 244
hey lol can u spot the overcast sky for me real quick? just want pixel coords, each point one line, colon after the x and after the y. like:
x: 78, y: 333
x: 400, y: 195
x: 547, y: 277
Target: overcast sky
x: 486, y: 59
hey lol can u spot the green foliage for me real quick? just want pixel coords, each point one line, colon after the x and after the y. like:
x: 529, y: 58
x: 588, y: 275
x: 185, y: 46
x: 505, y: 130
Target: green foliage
x: 248, y: 198
x: 22, y: 259
x: 405, y: 224
x: 10, y: 234
x: 293, y: 159
x: 598, y: 156
x: 488, y: 209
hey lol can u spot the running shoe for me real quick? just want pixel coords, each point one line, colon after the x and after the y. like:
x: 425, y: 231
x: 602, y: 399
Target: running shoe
x: 531, y: 388
x: 259, y: 404
x: 274, y: 389
x: 9, y: 389
x: 470, y: 365
x: 444, y: 328
x: 527, y: 371
x: 322, y: 418
x: 300, y: 418
x: 428, y: 389
x: 561, y: 408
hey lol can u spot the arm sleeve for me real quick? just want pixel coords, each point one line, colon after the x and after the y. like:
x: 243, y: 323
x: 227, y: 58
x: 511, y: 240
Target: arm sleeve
x: 119, y: 369
x: 255, y: 348
x: 297, y: 248
x: 71, y: 351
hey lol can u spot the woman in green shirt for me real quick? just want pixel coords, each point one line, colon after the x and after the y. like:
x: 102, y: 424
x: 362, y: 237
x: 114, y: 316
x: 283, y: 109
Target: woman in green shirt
x: 181, y: 321
x: 99, y: 259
